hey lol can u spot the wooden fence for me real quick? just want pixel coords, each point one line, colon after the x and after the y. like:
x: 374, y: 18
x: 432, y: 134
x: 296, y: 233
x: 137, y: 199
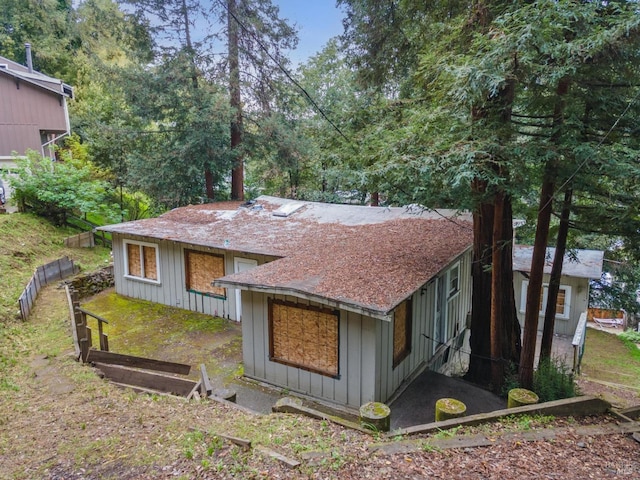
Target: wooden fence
x: 44, y: 275
x: 81, y: 240
x: 138, y: 373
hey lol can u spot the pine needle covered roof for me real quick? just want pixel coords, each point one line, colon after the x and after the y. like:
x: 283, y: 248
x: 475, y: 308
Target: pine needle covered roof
x: 361, y: 258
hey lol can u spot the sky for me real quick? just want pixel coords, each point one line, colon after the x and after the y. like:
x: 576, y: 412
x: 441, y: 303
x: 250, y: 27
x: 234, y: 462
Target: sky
x: 317, y: 21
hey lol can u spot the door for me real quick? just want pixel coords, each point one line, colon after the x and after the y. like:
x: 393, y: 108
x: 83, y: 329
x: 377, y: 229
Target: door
x: 241, y: 265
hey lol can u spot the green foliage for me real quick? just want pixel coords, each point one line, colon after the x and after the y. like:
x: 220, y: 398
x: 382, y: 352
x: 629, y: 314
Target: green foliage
x: 631, y: 336
x: 553, y: 380
x: 57, y: 189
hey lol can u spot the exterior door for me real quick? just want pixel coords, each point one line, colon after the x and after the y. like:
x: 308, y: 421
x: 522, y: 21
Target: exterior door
x: 241, y: 265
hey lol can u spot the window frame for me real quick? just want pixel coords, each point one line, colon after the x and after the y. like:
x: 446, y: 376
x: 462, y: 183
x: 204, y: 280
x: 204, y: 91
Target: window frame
x: 452, y: 292
x: 401, y: 355
x: 565, y: 315
x: 186, y: 252
x: 300, y: 365
x: 141, y: 246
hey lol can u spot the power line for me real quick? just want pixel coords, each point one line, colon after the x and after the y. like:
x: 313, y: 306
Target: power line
x: 586, y: 160
x: 284, y: 70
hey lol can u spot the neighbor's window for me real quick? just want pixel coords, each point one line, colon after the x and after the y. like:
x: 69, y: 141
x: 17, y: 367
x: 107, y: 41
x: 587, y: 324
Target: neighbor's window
x: 141, y: 261
x: 563, y: 304
x: 202, y: 268
x: 304, y: 336
x: 401, y: 332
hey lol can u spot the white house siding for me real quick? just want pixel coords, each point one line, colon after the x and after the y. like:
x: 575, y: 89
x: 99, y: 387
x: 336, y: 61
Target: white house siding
x: 579, y: 302
x: 356, y: 382
x: 423, y: 346
x: 171, y: 290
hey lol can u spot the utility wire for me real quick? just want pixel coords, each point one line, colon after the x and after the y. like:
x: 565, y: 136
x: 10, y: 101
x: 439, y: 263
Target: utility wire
x: 284, y: 70
x: 586, y: 160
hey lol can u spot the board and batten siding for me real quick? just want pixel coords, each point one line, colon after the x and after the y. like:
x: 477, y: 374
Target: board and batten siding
x: 579, y: 302
x: 357, y: 374
x: 171, y: 289
x: 423, y: 314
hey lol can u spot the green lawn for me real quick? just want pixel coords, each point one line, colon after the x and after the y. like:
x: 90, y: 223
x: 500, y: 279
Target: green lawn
x: 609, y: 359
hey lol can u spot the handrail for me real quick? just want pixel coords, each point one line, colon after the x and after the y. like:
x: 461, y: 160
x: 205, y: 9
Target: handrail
x: 578, y: 342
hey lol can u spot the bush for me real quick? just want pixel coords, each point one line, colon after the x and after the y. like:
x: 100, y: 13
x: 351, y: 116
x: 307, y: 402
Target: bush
x: 631, y: 336
x: 553, y: 380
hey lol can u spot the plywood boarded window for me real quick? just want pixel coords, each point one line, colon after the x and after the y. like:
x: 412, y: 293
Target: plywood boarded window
x: 304, y: 336
x: 141, y: 260
x: 202, y: 268
x: 563, y: 303
x: 401, y: 332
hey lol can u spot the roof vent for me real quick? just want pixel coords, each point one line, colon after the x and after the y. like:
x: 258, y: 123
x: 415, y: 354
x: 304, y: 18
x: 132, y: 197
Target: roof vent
x: 4, y: 65
x: 287, y: 209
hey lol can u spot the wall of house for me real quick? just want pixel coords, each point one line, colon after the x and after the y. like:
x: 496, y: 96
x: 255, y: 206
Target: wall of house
x: 579, y: 302
x: 365, y: 346
x: 356, y: 382
x: 425, y: 348
x: 171, y: 289
x: 24, y: 112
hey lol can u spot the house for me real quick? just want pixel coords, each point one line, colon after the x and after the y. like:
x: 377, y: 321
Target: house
x: 578, y: 267
x: 33, y: 110
x: 343, y: 303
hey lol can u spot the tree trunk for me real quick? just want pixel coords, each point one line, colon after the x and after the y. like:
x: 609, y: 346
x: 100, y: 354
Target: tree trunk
x: 497, y: 290
x: 554, y: 281
x: 527, y: 358
x: 480, y: 340
x: 237, y: 173
x: 534, y: 290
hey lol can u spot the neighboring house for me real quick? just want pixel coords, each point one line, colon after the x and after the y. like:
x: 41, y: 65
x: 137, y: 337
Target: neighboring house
x: 578, y: 267
x: 343, y: 303
x: 33, y: 110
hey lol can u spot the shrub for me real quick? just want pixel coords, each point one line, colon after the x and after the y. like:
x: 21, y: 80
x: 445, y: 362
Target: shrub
x: 631, y: 336
x: 553, y: 380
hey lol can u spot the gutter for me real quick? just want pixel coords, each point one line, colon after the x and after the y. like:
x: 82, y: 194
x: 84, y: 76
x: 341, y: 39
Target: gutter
x: 351, y: 307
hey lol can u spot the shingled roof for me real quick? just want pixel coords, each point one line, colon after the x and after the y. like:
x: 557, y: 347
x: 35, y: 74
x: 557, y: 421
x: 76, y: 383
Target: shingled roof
x: 365, y: 259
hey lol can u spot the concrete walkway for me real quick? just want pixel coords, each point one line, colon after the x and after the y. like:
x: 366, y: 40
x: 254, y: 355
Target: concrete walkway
x: 416, y: 405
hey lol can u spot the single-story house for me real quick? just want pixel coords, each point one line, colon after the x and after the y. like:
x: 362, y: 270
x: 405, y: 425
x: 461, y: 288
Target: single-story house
x: 33, y: 110
x: 578, y: 267
x: 343, y: 303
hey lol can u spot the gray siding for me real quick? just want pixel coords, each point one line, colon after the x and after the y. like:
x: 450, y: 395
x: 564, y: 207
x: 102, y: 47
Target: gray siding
x: 366, y: 347
x: 172, y: 287
x: 423, y: 345
x: 357, y: 373
x: 579, y: 302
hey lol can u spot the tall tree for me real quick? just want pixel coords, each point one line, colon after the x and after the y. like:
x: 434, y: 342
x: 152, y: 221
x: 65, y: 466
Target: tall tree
x: 256, y: 39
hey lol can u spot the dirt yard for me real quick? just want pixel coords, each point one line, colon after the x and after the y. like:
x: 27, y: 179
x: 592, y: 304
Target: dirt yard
x: 58, y: 420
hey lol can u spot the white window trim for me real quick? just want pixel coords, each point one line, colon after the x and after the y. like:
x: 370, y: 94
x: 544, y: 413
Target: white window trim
x: 126, y: 261
x: 565, y: 315
x: 452, y: 293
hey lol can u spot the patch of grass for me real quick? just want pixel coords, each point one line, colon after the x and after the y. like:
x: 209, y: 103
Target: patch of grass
x: 630, y: 336
x: 609, y: 358
x: 34, y: 241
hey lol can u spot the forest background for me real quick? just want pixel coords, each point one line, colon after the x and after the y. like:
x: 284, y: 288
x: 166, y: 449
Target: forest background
x: 509, y: 109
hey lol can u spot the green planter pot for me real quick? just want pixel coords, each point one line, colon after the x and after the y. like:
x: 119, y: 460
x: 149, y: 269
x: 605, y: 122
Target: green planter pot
x: 519, y: 397
x: 447, y: 408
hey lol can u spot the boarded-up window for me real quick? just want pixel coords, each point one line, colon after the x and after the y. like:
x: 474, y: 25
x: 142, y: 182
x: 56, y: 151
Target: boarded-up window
x: 401, y: 332
x: 304, y: 336
x: 563, y: 303
x: 202, y: 268
x: 142, y: 260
